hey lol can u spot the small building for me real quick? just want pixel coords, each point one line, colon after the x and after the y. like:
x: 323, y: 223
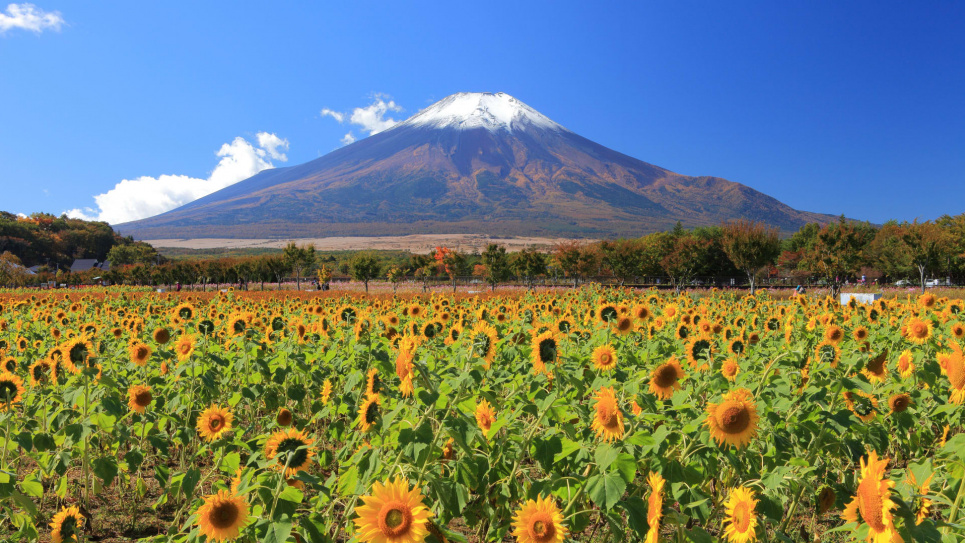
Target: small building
x: 86, y: 264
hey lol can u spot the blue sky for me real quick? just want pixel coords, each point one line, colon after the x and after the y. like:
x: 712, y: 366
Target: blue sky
x: 838, y: 107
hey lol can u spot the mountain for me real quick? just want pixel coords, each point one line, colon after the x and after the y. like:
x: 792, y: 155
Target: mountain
x: 471, y: 163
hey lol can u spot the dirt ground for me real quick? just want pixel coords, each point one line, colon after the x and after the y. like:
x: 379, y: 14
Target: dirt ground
x: 422, y: 243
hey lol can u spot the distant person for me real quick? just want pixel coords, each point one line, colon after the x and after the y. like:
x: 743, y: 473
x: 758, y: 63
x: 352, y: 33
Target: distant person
x: 177, y: 286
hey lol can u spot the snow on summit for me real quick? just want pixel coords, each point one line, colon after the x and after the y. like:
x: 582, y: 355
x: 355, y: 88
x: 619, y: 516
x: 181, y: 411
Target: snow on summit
x: 467, y: 110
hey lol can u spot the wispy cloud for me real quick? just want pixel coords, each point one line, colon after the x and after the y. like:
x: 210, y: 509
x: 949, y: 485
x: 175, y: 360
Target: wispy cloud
x: 29, y: 17
x: 146, y: 196
x: 371, y: 118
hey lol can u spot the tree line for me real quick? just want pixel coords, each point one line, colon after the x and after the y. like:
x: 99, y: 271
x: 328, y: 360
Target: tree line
x: 828, y: 255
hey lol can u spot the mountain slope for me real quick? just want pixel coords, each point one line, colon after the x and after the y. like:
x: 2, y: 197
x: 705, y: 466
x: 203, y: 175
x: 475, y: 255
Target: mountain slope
x: 471, y: 163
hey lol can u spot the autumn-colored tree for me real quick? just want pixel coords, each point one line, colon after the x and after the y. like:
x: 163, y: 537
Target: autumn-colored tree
x: 887, y: 253
x: 681, y: 256
x: 751, y: 246
x: 575, y: 259
x: 838, y: 252
x: 395, y: 275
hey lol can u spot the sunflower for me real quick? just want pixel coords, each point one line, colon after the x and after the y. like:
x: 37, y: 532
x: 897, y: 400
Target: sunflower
x: 655, y: 506
x: 139, y: 397
x: 683, y: 332
x: 665, y: 379
x: 833, y: 334
x: 214, y: 422
x: 917, y: 330
x: 827, y: 352
x: 222, y: 516
x: 161, y: 336
x: 958, y: 330
x: 641, y: 313
x: 326, y: 391
x: 736, y: 346
x: 860, y: 333
x: 11, y: 390
x: 184, y: 311
x: 729, y: 369
x: 924, y: 504
x: 699, y: 351
x: 184, y: 347
x: 607, y: 313
x: 140, y: 353
x: 906, y: 364
x: 42, y: 372
x: 927, y: 301
x: 873, y: 501
x: 604, y: 358
x: 741, y: 521
x: 544, y: 351
x: 393, y: 513
x: 66, y: 524
x: 369, y: 412
x: 76, y: 351
x: 291, y: 447
x: 899, y: 402
x: 9, y: 365
x: 483, y: 338
x: 876, y: 369
x: 608, y: 419
x: 953, y: 365
x: 733, y: 421
x: 373, y: 384
x: 623, y: 325
x: 539, y: 521
x: 863, y: 405
x: 485, y: 416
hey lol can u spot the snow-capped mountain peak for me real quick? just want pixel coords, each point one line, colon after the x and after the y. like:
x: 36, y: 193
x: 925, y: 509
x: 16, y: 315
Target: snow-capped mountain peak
x: 467, y: 110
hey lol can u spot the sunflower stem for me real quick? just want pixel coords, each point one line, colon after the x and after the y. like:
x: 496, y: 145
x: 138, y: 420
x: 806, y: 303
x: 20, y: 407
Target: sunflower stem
x: 953, y: 514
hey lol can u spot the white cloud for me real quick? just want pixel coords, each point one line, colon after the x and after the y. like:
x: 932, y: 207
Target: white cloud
x: 146, y: 196
x: 371, y: 118
x: 340, y: 117
x: 273, y: 145
x: 29, y: 17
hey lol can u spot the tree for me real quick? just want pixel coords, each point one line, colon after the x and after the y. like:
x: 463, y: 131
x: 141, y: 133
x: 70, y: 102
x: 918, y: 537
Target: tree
x: 496, y: 265
x: 751, y: 246
x: 395, y: 275
x: 423, y: 265
x: 455, y: 264
x: 622, y: 257
x: 838, y: 252
x: 365, y: 267
x: 926, y: 245
x: 682, y: 257
x: 529, y: 264
x: 133, y: 253
x: 276, y: 266
x: 576, y: 259
x: 12, y: 273
x: 299, y: 259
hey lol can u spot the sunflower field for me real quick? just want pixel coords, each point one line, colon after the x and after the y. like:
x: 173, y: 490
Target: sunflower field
x: 539, y: 417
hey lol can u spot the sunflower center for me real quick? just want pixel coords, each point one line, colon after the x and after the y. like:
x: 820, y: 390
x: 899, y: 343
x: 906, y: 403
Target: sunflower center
x: 742, y: 517
x: 876, y: 366
x: 605, y: 359
x: 608, y: 416
x: 290, y: 448
x: 547, y: 350
x: 395, y: 519
x: 68, y: 527
x: 542, y: 528
x: 919, y: 330
x: 8, y: 391
x: 224, y: 515
x: 216, y: 422
x: 371, y: 413
x: 870, y: 504
x: 734, y: 419
x: 666, y: 376
x: 143, y: 398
